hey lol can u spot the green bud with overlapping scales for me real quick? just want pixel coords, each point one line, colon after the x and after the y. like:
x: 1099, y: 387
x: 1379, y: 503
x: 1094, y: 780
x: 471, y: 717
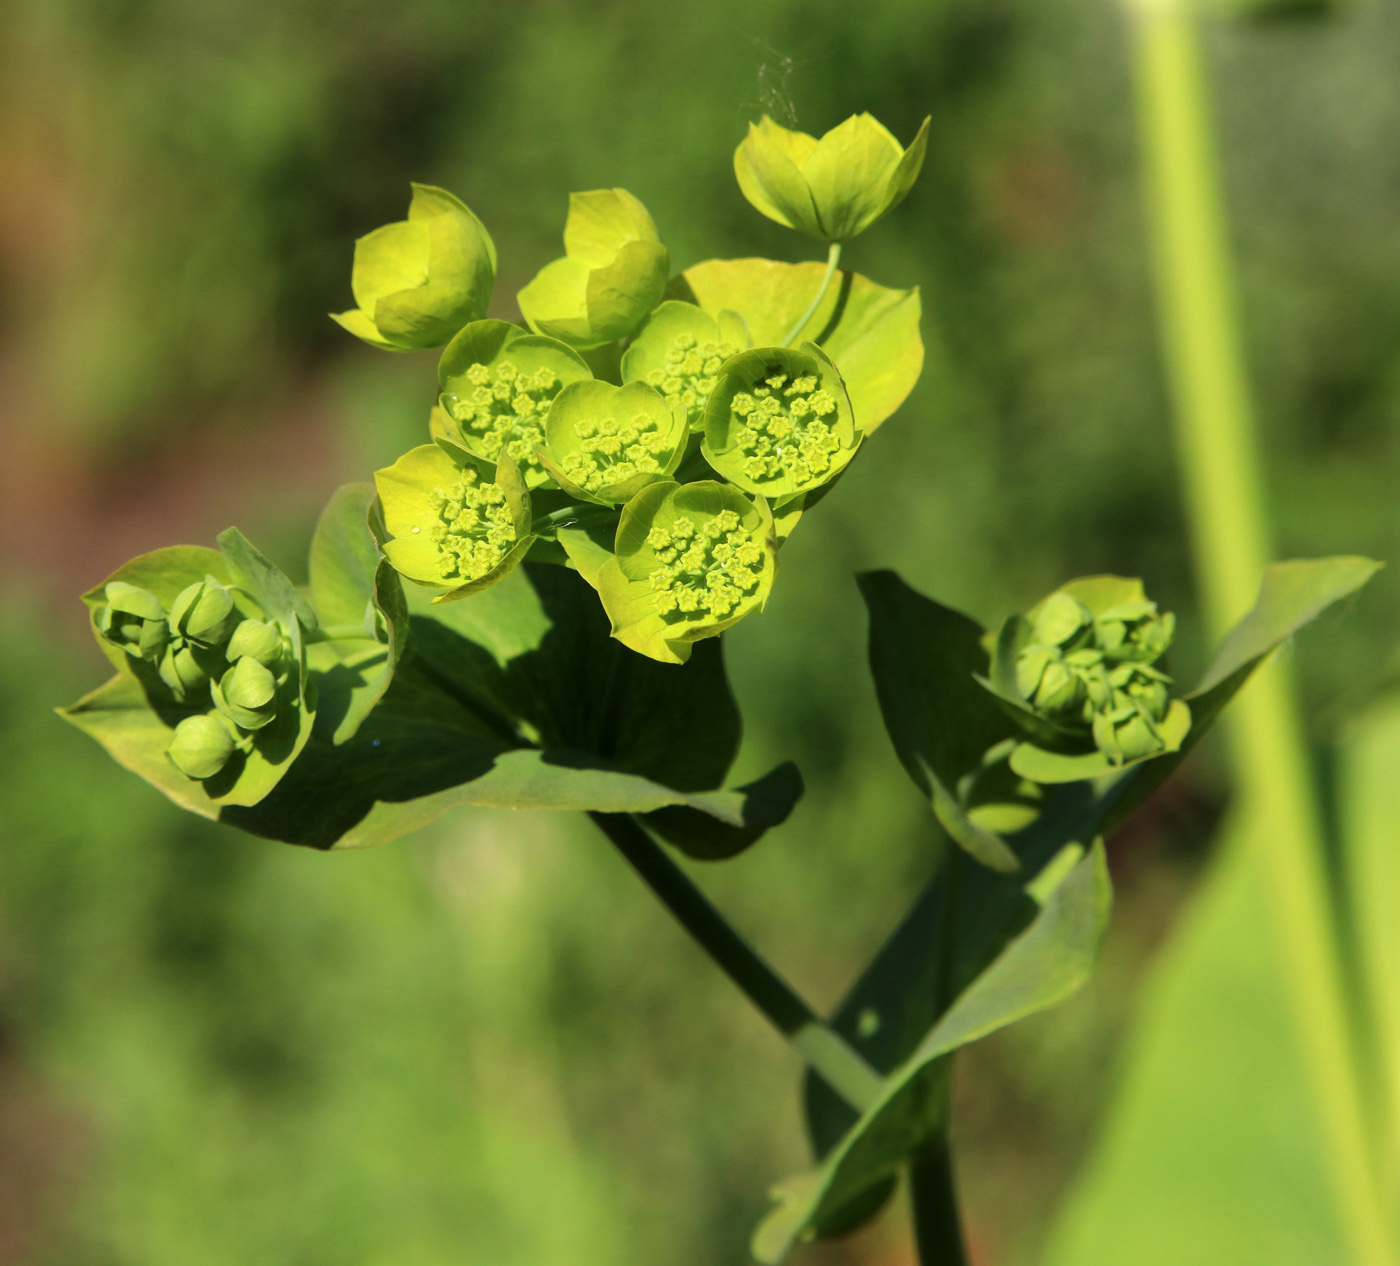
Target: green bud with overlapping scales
x: 451, y: 525
x: 133, y: 619
x: 497, y: 383
x: 679, y: 352
x: 831, y: 188
x: 606, y: 443
x: 1076, y: 672
x: 201, y: 746
x: 203, y: 613
x: 246, y: 694
x: 779, y: 422
x: 611, y: 277
x: 691, y: 561
x: 418, y: 281
x: 257, y: 640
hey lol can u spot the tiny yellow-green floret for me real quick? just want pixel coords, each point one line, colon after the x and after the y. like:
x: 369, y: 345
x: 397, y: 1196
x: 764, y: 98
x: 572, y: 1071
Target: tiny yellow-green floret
x: 691, y: 366
x: 614, y: 451
x: 505, y: 407
x: 706, y: 569
x: 788, y: 429
x: 475, y: 530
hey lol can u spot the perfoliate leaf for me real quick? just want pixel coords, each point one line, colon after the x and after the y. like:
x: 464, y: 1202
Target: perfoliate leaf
x: 1039, y: 967
x: 871, y: 333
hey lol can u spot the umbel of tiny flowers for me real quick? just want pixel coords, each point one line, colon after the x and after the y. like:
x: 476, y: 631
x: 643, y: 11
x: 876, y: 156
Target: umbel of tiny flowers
x: 691, y: 561
x: 453, y: 523
x: 679, y: 352
x: 605, y: 443
x: 833, y: 188
x: 779, y: 422
x: 418, y: 281
x: 611, y: 277
x: 1077, y: 672
x: 498, y: 382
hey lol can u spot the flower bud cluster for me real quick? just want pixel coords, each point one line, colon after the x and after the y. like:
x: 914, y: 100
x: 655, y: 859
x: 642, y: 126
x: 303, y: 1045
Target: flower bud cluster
x: 1094, y: 672
x: 706, y: 569
x: 205, y: 650
x: 507, y: 408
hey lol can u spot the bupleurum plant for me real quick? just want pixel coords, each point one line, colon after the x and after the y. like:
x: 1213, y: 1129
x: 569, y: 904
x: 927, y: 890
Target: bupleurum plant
x: 602, y: 491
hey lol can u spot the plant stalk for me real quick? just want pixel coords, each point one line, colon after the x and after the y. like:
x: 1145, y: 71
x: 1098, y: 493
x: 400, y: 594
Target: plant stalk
x: 829, y: 1055
x: 933, y: 1197
x: 833, y: 257
x: 1222, y: 470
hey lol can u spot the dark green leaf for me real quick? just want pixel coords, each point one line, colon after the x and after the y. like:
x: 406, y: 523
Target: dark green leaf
x: 767, y: 803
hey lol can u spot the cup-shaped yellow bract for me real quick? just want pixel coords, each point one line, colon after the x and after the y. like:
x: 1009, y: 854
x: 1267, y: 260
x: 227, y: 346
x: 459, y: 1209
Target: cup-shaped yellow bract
x: 831, y: 188
x: 612, y: 275
x: 779, y: 422
x: 451, y: 526
x: 679, y: 352
x: 418, y: 281
x: 607, y: 443
x: 692, y: 560
x: 497, y: 384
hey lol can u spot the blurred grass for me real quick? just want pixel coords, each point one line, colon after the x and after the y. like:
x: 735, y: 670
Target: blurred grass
x: 484, y: 1044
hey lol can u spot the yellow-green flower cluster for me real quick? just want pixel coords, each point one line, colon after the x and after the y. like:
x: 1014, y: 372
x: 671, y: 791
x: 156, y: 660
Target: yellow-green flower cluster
x: 786, y: 431
x: 475, y: 529
x: 507, y: 407
x: 706, y: 570
x: 691, y: 366
x: 615, y: 450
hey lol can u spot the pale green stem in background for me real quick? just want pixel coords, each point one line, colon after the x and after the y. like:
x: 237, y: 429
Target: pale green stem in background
x: 338, y: 633
x: 833, y: 257
x: 1223, y: 478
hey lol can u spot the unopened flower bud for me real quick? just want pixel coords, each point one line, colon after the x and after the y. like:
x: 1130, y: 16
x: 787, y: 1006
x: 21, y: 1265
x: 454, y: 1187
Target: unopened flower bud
x: 246, y: 694
x: 255, y: 640
x: 831, y: 188
x: 200, y: 747
x: 612, y: 275
x: 1060, y: 689
x: 418, y: 281
x: 1126, y: 734
x: 134, y: 620
x: 1060, y: 620
x: 1134, y: 631
x: 203, y: 612
x: 181, y: 670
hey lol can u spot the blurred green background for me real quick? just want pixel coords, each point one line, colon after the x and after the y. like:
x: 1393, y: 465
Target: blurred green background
x: 485, y: 1044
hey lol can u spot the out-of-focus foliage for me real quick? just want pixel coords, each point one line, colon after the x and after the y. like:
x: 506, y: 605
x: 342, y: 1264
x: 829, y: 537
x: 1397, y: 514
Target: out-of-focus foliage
x: 248, y: 1050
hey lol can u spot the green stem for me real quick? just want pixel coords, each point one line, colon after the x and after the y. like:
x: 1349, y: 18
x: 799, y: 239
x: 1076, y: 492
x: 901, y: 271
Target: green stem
x: 833, y: 257
x: 933, y: 1196
x: 573, y: 516
x: 841, y: 1067
x: 1224, y: 488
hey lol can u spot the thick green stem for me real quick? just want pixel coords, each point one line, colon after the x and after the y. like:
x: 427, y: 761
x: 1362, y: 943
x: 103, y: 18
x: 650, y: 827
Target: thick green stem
x: 833, y: 257
x: 825, y: 1050
x: 933, y: 1197
x: 1223, y: 477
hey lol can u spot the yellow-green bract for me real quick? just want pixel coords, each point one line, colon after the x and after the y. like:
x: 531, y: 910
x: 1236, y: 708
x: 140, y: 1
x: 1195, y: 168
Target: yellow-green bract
x: 451, y: 526
x: 679, y: 352
x: 606, y: 443
x: 831, y: 188
x: 692, y: 560
x: 779, y: 421
x: 497, y: 384
x: 418, y: 281
x: 611, y: 277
